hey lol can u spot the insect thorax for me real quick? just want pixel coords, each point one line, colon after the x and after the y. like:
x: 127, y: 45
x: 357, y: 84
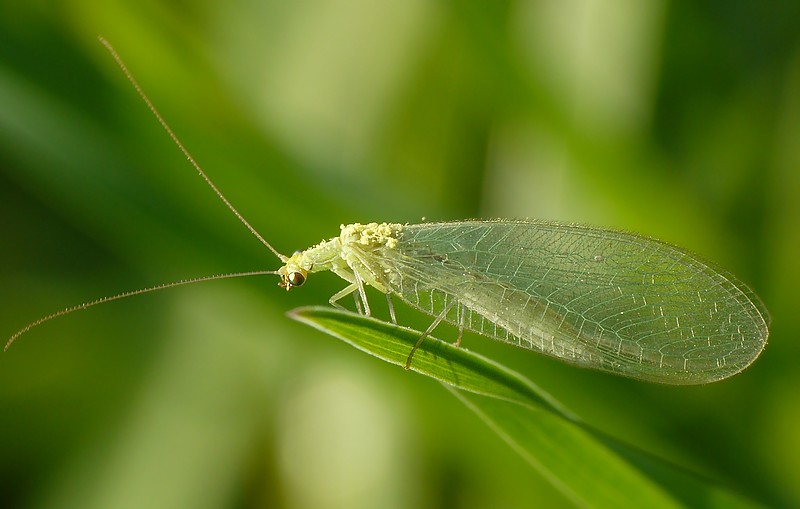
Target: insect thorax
x: 364, y: 246
x: 370, y: 236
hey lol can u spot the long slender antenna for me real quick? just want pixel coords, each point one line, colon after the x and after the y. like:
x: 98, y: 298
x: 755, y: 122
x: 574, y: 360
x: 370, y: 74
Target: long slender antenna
x: 164, y: 286
x: 186, y: 153
x: 123, y: 295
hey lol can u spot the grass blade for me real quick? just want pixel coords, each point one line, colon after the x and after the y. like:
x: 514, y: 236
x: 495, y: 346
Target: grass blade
x: 589, y: 467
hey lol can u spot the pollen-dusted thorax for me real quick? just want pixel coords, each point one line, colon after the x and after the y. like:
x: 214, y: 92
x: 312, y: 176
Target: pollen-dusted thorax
x: 371, y: 234
x: 365, y: 249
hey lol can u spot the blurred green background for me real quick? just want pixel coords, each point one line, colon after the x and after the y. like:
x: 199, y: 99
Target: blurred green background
x: 675, y: 120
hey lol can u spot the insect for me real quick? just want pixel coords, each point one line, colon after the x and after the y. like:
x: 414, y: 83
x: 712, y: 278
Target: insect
x: 598, y: 298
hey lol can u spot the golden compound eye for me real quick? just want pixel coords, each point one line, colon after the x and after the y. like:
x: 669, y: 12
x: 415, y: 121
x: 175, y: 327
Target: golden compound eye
x: 296, y: 279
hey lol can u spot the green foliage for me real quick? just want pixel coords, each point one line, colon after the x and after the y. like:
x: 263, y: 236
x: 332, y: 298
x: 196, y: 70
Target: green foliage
x: 674, y: 120
x: 590, y: 468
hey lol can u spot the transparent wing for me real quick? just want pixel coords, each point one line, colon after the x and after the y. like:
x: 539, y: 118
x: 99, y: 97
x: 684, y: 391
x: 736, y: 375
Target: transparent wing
x: 604, y: 299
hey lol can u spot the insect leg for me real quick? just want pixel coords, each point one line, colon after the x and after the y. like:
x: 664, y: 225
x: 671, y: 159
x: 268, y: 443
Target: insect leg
x: 360, y: 284
x: 334, y: 300
x: 391, y: 308
x: 462, y: 316
x: 427, y: 332
x: 359, y: 309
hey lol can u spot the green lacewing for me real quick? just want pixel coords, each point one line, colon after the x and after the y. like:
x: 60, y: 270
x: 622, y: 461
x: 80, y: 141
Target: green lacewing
x: 598, y: 298
x: 593, y: 297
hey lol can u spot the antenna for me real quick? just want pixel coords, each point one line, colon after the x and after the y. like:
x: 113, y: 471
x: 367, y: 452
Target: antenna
x: 131, y: 293
x: 183, y: 149
x: 211, y: 184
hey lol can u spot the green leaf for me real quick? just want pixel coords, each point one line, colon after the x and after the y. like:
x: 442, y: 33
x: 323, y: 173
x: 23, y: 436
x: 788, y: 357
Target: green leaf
x: 589, y: 467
